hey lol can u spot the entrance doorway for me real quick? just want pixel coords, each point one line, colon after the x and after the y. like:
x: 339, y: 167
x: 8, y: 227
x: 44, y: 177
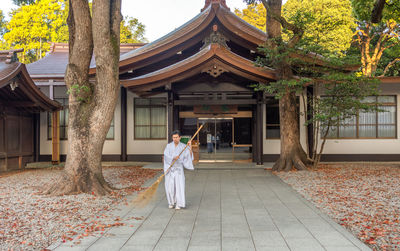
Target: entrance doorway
x: 222, y: 139
x: 216, y: 139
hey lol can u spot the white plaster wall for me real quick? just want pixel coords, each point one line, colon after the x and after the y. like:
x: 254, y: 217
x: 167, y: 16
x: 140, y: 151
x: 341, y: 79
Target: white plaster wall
x: 273, y: 146
x: 110, y: 146
x: 141, y: 146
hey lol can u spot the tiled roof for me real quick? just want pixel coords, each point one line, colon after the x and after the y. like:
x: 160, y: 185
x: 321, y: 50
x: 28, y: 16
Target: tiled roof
x: 55, y: 62
x: 17, y: 87
x: 212, y: 55
x: 9, y: 65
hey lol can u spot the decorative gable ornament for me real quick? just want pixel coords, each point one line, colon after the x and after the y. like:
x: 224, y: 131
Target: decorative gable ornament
x: 215, y: 38
x: 214, y: 70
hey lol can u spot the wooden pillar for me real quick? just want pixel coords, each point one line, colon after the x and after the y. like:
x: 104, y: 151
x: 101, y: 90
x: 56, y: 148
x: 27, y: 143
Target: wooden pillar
x: 170, y: 112
x: 36, y: 122
x: 259, y: 129
x: 310, y: 127
x: 55, y: 128
x: 253, y: 133
x: 124, y: 97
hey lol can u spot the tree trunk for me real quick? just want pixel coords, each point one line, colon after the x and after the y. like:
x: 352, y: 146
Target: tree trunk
x: 292, y: 153
x: 91, y: 105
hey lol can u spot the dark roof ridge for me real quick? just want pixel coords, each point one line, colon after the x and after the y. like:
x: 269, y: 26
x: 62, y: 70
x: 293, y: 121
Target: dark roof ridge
x: 9, y: 56
x: 211, y: 2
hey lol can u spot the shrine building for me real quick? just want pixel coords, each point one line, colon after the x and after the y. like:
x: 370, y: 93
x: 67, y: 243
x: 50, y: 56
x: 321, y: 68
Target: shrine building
x: 202, y: 73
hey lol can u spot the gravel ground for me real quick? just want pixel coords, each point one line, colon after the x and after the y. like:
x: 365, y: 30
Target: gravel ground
x: 364, y: 198
x: 32, y: 221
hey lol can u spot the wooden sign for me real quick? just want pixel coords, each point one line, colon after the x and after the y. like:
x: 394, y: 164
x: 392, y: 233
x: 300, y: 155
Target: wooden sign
x: 215, y: 109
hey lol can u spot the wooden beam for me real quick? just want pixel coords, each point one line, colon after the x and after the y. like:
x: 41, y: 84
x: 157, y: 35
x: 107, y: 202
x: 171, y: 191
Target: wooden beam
x: 36, y: 120
x: 19, y: 103
x: 124, y: 137
x: 259, y: 129
x: 216, y: 102
x: 170, y: 114
x: 55, y: 127
x: 239, y: 114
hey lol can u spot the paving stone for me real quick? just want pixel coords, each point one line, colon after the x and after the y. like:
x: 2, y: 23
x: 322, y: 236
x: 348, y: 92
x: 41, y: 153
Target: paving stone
x: 247, y: 209
x: 341, y: 248
x: 303, y: 244
x: 240, y: 244
x: 332, y: 238
x: 204, y: 248
x: 268, y: 239
x: 172, y: 244
x: 108, y: 244
x: 137, y: 248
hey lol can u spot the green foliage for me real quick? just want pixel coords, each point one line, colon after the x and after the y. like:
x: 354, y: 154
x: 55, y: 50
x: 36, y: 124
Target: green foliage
x: 33, y: 27
x: 344, y: 96
x: 390, y: 56
x: 362, y: 10
x: 328, y: 22
x: 254, y: 14
x: 82, y: 92
x: 379, y: 44
x: 316, y: 61
x: 132, y: 31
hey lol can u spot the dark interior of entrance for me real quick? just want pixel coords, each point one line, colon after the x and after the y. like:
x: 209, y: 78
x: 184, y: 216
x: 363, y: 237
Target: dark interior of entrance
x: 221, y: 139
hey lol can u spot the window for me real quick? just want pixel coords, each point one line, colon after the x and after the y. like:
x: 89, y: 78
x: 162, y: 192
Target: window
x: 61, y: 96
x: 150, y: 118
x: 369, y: 125
x: 272, y: 118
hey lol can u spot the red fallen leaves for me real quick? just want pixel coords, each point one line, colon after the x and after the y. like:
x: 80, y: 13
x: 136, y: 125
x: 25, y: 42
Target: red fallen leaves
x: 371, y: 241
x: 365, y: 198
x: 33, y: 221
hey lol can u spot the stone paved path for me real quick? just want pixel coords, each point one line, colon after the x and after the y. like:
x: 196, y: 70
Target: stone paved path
x: 236, y: 209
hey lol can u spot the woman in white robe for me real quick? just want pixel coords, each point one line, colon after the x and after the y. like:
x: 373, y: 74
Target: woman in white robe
x: 175, y: 177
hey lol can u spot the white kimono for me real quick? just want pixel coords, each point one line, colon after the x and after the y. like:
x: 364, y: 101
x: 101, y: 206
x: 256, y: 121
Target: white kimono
x: 175, y: 177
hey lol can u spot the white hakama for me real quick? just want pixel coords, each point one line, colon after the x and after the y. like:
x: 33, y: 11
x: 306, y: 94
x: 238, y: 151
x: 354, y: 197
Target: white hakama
x: 175, y: 177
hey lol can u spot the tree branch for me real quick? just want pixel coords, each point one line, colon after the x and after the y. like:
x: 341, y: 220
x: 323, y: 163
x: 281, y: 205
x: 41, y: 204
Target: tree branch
x: 376, y: 16
x: 297, y: 31
x: 390, y: 65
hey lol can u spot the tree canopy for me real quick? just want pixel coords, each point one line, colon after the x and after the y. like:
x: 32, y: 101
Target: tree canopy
x: 132, y: 31
x: 318, y: 16
x: 379, y: 43
x: 254, y: 14
x: 35, y: 25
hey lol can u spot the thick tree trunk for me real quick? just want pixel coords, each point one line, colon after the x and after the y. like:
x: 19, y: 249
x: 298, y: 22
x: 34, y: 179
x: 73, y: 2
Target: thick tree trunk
x: 292, y: 153
x: 91, y: 105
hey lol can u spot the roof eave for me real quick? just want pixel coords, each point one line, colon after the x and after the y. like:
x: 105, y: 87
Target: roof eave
x: 213, y: 54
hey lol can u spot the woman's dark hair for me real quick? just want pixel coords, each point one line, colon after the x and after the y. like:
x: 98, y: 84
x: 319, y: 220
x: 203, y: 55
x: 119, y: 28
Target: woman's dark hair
x: 176, y: 132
